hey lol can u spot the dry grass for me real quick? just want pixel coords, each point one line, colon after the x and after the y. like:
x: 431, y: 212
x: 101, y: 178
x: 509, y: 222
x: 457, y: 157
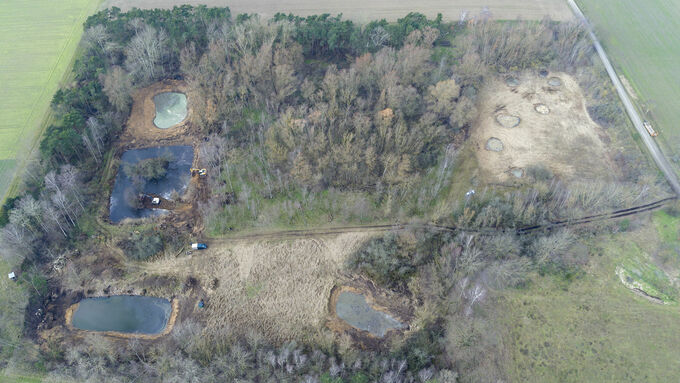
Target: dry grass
x: 281, y: 289
x: 364, y: 11
x: 565, y: 140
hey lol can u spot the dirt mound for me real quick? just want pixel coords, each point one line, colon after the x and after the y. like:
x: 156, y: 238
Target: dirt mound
x: 507, y: 121
x: 541, y: 108
x: 494, y: 144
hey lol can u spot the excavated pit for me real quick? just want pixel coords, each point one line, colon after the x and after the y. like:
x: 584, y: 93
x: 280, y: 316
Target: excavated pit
x: 171, y: 109
x: 507, y: 120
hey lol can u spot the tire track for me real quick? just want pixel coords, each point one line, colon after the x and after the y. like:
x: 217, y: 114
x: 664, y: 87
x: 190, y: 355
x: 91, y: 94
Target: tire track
x: 306, y: 233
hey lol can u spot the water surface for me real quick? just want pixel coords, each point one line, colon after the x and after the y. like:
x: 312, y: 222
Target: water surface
x: 353, y: 309
x: 123, y: 313
x: 171, y: 109
x: 177, y: 178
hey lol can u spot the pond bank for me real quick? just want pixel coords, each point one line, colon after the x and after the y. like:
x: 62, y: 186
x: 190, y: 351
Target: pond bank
x: 174, y: 303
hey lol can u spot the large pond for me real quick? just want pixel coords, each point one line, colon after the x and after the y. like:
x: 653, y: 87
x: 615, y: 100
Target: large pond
x: 171, y: 109
x: 123, y: 313
x: 125, y: 191
x: 353, y: 309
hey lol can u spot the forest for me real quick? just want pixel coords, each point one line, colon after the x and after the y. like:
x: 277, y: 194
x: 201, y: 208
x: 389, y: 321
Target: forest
x: 308, y: 121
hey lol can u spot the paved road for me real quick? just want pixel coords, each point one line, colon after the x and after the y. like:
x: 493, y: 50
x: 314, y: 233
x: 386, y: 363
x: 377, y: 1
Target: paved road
x: 658, y: 156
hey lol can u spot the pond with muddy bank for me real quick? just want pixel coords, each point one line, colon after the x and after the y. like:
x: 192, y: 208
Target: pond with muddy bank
x: 171, y: 109
x: 353, y: 309
x: 126, y: 314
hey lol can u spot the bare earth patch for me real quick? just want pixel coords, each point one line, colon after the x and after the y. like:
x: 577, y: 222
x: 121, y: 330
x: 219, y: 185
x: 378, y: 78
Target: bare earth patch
x: 365, y: 11
x: 566, y: 140
x: 141, y: 131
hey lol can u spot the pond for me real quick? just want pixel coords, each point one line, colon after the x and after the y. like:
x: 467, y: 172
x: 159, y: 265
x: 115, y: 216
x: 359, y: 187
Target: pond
x: 125, y: 191
x: 353, y: 309
x: 123, y: 313
x: 171, y: 109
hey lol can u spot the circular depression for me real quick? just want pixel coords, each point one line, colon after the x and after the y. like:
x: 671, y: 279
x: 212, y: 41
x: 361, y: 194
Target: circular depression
x: 555, y: 81
x: 171, y: 109
x: 507, y: 120
x: 494, y: 145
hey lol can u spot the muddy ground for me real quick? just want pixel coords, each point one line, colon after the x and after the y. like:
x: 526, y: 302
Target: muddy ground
x: 399, y: 307
x: 554, y: 130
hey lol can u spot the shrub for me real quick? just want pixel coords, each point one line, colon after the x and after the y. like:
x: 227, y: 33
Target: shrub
x: 149, y: 170
x: 539, y: 172
x: 142, y: 245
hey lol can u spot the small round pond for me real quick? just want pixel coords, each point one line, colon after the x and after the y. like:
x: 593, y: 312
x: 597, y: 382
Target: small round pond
x: 353, y: 309
x: 125, y: 191
x: 171, y: 109
x: 123, y: 313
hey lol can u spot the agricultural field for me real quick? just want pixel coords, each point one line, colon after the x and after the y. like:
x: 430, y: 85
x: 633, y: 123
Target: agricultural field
x: 593, y: 328
x: 374, y: 10
x: 641, y: 38
x: 37, y: 43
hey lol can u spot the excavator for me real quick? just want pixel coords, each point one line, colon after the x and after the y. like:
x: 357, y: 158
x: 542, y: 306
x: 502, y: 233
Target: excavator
x: 199, y: 172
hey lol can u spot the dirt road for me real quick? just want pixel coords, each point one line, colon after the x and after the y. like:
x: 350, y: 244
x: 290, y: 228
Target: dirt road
x: 364, y: 11
x: 658, y: 156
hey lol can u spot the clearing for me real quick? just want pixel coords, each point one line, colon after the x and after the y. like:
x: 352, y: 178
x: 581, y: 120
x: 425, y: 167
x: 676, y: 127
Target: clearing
x: 37, y: 43
x: 539, y: 121
x: 279, y: 288
x: 642, y: 39
x: 363, y: 11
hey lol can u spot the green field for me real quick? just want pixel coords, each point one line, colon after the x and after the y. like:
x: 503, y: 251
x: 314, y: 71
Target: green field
x: 642, y: 40
x: 37, y: 41
x: 594, y: 329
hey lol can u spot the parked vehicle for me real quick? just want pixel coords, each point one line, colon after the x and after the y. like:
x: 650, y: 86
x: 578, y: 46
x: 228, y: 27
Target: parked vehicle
x: 199, y: 246
x: 650, y: 130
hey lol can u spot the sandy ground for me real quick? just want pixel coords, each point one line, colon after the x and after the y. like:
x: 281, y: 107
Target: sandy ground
x: 141, y: 131
x: 364, y: 11
x: 565, y: 139
x: 280, y: 288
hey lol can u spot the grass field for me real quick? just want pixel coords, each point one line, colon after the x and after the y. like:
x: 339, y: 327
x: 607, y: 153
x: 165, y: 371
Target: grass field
x: 642, y: 40
x: 37, y: 41
x: 365, y: 11
x: 594, y: 329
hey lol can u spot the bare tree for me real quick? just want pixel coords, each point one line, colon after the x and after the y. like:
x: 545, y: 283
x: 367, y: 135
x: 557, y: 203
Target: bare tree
x: 117, y: 86
x: 378, y: 37
x: 97, y: 35
x: 145, y: 54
